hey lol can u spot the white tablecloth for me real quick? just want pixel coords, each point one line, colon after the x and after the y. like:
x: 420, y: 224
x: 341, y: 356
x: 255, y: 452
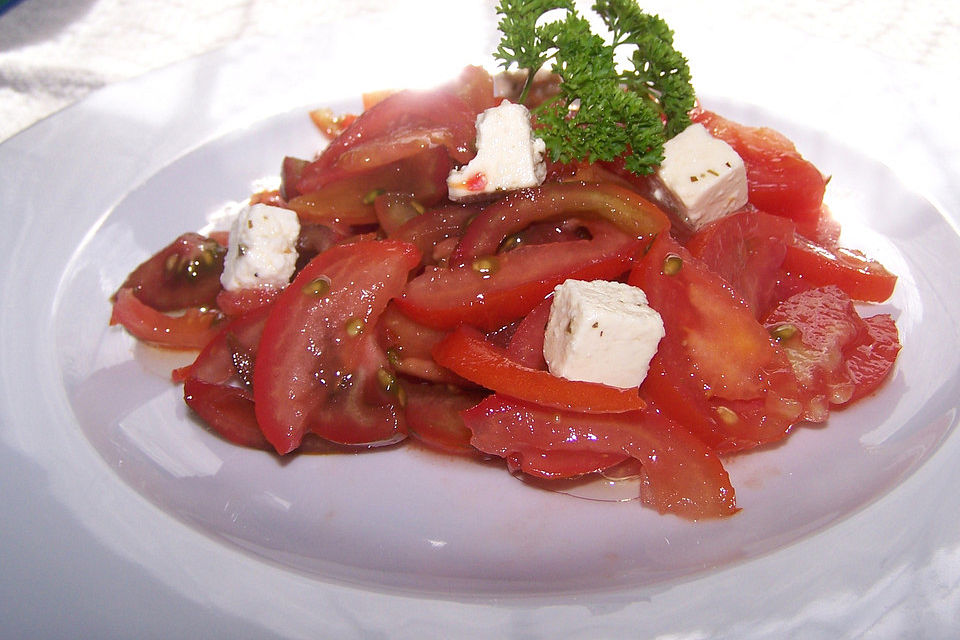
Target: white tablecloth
x: 54, y: 52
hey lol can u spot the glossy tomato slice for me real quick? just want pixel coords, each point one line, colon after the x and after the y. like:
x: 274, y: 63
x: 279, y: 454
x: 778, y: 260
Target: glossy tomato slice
x: 832, y: 349
x: 857, y: 275
x: 434, y: 415
x: 779, y: 179
x: 636, y: 217
x: 746, y: 249
x: 349, y: 201
x: 467, y: 353
x: 191, y: 330
x: 184, y: 274
x: 390, y: 120
x: 496, y: 290
x: 682, y: 475
x: 716, y: 369
x: 870, y: 362
x: 228, y: 410
x: 317, y: 352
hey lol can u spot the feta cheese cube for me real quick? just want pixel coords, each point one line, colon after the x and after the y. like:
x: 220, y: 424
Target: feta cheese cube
x: 509, y: 156
x: 601, y: 332
x: 705, y: 176
x: 262, y: 249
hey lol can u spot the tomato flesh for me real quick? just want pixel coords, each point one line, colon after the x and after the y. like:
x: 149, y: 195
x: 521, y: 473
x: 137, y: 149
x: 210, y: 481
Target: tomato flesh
x: 332, y: 302
x: 467, y: 353
x: 683, y: 476
x: 192, y: 330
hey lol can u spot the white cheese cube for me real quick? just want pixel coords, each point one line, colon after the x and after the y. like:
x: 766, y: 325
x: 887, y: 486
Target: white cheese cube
x: 704, y: 175
x: 601, y: 332
x: 509, y: 156
x: 262, y: 249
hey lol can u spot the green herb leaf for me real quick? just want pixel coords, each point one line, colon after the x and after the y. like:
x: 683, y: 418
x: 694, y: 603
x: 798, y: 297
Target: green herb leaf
x: 601, y: 112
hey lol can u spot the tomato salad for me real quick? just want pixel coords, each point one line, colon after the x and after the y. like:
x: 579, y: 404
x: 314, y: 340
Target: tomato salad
x: 412, y: 316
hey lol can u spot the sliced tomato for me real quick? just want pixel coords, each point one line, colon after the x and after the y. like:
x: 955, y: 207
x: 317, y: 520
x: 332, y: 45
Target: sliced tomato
x: 870, y: 362
x: 236, y: 303
x: 635, y: 216
x: 683, y: 476
x: 433, y: 413
x: 317, y: 355
x: 857, y: 275
x: 184, y: 274
x: 433, y: 231
x: 395, y: 209
x: 468, y: 354
x: 832, y: 349
x: 497, y: 290
x: 228, y: 410
x: 779, y: 179
x: 230, y: 355
x: 560, y: 464
x: 716, y: 369
x: 350, y: 201
x: 746, y: 249
x: 191, y: 330
x: 526, y: 342
x: 409, y: 346
x: 392, y: 119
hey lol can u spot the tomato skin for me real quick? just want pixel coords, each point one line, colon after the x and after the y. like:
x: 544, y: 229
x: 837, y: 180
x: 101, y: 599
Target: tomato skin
x: 434, y: 230
x: 858, y: 276
x: 870, y: 362
x: 716, y: 370
x: 836, y: 355
x: 390, y: 119
x: 779, y: 180
x: 746, y: 249
x: 526, y: 343
x: 184, y: 274
x: 467, y: 353
x: 236, y: 303
x: 635, y: 216
x: 192, y: 330
x: 448, y: 297
x: 347, y: 202
x: 227, y: 410
x: 308, y: 356
x: 433, y: 414
x: 684, y: 476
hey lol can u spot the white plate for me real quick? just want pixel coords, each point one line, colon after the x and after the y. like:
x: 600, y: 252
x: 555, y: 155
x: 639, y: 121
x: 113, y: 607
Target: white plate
x: 123, y: 517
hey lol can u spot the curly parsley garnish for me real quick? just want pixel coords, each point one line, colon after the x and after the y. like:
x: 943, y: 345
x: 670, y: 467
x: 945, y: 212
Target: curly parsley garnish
x: 601, y: 111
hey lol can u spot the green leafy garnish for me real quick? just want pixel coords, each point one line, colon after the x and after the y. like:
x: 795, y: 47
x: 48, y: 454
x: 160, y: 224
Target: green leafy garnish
x: 602, y: 111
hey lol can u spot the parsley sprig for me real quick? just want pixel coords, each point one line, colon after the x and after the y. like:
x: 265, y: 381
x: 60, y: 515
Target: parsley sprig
x: 602, y: 111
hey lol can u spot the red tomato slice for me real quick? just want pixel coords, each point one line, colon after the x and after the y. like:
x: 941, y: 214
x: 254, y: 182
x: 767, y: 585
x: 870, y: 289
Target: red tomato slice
x: 858, y: 276
x: 231, y: 353
x: 869, y: 363
x: 779, y: 180
x: 391, y: 119
x: 192, y: 330
x: 526, y: 343
x: 184, y: 274
x: 227, y: 410
x: 236, y: 303
x: 409, y: 346
x: 467, y: 353
x: 635, y: 216
x: 683, y: 476
x: 746, y: 249
x: 350, y: 201
x: 832, y: 349
x: 496, y: 290
x: 432, y: 231
x: 314, y: 344
x: 716, y: 370
x: 433, y: 413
